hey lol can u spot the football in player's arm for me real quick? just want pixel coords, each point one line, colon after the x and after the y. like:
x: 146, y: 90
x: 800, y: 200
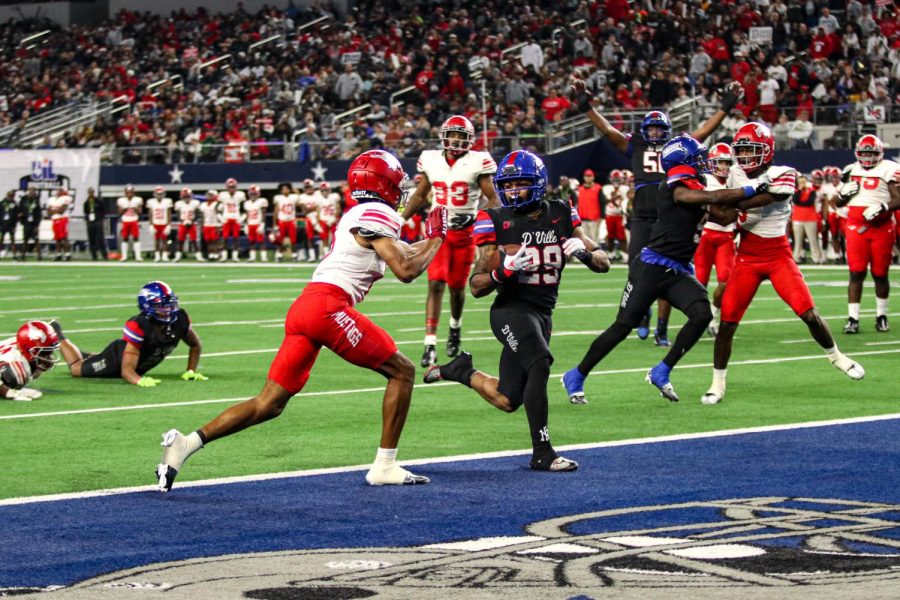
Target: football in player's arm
x: 147, y: 339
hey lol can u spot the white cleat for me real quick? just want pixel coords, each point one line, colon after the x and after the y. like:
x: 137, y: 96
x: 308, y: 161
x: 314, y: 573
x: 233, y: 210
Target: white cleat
x: 850, y: 367
x: 176, y: 450
x: 712, y: 397
x: 393, y: 474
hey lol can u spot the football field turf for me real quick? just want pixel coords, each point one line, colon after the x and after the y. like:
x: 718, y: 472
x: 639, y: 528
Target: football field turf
x: 96, y: 434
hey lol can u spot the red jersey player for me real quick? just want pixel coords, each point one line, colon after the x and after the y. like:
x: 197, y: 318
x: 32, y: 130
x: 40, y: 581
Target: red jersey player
x: 366, y: 241
x: 716, y: 247
x: 870, y: 192
x: 765, y: 253
x: 459, y: 177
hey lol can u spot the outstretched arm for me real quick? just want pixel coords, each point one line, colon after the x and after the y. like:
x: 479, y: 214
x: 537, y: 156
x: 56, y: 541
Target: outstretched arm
x: 732, y: 95
x: 409, y: 261
x: 686, y: 195
x: 583, y: 99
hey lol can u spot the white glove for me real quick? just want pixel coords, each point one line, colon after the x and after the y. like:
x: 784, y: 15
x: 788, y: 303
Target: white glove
x: 519, y: 261
x: 875, y: 210
x: 17, y: 395
x: 848, y: 190
x: 31, y: 393
x: 573, y: 246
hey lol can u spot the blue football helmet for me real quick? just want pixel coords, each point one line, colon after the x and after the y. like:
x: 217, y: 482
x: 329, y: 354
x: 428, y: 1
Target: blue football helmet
x: 656, y: 118
x: 521, y: 165
x: 684, y: 150
x: 157, y: 301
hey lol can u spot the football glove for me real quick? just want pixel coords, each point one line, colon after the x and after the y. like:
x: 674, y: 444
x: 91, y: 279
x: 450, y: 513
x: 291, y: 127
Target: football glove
x: 191, y: 375
x: 148, y: 382
x: 512, y: 264
x: 575, y: 247
x: 461, y: 221
x: 436, y: 223
x: 731, y: 95
x: 17, y: 395
x: 31, y: 393
x: 874, y: 211
x: 581, y: 96
x: 848, y: 190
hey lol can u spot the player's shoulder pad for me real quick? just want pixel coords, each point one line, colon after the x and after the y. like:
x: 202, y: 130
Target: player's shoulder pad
x: 783, y: 180
x: 425, y: 158
x: 373, y: 219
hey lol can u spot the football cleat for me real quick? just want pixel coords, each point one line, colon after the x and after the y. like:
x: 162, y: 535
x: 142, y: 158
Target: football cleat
x: 573, y: 381
x: 661, y: 339
x: 429, y: 357
x: 852, y: 325
x: 176, y: 450
x: 712, y: 397
x: 850, y: 367
x: 393, y: 474
x: 553, y: 462
x: 881, y: 323
x: 453, y: 341
x: 459, y: 369
x: 659, y: 377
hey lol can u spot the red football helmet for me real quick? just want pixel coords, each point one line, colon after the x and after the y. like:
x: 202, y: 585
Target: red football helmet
x: 753, y: 146
x: 231, y: 183
x: 869, y: 151
x: 461, y: 125
x: 377, y: 175
x: 38, y: 342
x: 817, y: 176
x: 616, y: 177
x: 721, y: 157
x: 186, y: 193
x: 254, y: 191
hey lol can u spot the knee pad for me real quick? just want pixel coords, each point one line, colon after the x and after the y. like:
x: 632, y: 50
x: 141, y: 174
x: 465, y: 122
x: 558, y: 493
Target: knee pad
x: 699, y: 312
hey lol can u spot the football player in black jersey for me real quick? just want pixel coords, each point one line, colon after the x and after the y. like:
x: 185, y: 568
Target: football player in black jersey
x: 663, y: 268
x: 527, y: 285
x: 147, y: 339
x: 643, y: 149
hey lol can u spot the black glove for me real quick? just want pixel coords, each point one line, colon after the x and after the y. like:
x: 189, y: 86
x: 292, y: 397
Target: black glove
x: 581, y: 96
x: 730, y: 97
x: 461, y: 221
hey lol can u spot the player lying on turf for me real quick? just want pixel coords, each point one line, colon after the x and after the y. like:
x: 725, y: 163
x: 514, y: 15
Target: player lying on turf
x: 23, y: 358
x: 147, y: 339
x: 366, y: 240
x: 537, y: 234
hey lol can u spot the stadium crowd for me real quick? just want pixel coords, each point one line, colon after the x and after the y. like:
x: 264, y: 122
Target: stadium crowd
x: 824, y: 59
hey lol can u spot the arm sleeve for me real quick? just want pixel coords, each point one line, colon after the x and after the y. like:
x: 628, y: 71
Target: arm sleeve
x: 484, y: 229
x: 573, y: 214
x: 784, y: 184
x: 488, y: 166
x: 133, y: 334
x: 686, y: 176
x: 375, y: 223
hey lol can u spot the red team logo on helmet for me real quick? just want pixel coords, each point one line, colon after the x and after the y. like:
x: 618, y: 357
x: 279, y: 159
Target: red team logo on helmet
x: 758, y: 139
x: 377, y: 175
x: 254, y: 190
x: 818, y: 176
x: 721, y: 157
x: 38, y: 343
x: 461, y: 125
x: 616, y: 177
x: 869, y: 151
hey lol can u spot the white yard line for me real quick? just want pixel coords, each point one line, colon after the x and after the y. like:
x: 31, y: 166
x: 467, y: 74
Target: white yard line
x: 449, y: 459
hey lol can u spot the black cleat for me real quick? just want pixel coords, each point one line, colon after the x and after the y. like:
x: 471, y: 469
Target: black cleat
x: 429, y: 357
x: 459, y: 369
x: 552, y: 462
x: 852, y: 325
x: 453, y: 341
x: 881, y: 323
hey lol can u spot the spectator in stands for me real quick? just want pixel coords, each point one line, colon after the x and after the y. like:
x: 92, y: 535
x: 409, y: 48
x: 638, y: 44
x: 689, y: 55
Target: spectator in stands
x: 801, y: 131
x: 348, y: 86
x: 554, y: 104
x: 782, y: 133
x: 768, y: 98
x: 700, y: 63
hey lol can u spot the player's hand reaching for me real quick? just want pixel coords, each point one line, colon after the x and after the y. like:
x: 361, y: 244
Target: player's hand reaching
x: 436, y: 224
x: 731, y: 95
x: 192, y: 375
x: 874, y: 211
x: 575, y: 247
x: 148, y: 382
x: 462, y: 220
x: 580, y: 95
x: 848, y: 190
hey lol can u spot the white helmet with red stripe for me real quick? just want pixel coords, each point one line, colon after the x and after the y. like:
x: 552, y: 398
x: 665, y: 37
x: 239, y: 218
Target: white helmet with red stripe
x: 38, y: 342
x: 869, y: 151
x: 186, y: 193
x: 753, y: 146
x: 254, y: 191
x: 231, y: 184
x: 617, y: 177
x: 721, y: 157
x: 833, y: 175
x: 629, y: 176
x: 459, y: 126
x: 817, y: 176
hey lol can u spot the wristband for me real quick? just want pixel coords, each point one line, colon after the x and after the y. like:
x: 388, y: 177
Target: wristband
x: 749, y: 191
x: 501, y: 275
x: 584, y: 256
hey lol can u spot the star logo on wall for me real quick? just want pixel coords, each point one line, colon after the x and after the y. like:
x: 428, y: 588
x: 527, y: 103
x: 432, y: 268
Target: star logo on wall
x: 319, y: 171
x: 175, y: 174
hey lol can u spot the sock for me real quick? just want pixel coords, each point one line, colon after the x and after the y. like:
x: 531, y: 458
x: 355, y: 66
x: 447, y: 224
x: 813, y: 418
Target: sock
x: 853, y: 310
x: 715, y: 312
x: 718, y: 382
x: 536, y: 406
x: 200, y: 436
x: 662, y: 326
x: 386, y: 456
x: 881, y: 306
x: 430, y: 339
x: 455, y: 323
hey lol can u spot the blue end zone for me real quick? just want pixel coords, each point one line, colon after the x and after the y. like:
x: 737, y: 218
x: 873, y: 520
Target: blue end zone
x: 67, y: 541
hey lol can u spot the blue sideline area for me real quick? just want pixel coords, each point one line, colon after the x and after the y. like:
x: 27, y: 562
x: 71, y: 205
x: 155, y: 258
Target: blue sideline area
x: 66, y: 541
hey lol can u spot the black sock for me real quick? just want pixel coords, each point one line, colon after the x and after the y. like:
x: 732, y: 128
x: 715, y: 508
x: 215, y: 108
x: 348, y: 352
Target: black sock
x: 202, y: 437
x: 535, y: 395
x: 699, y: 317
x: 603, y: 345
x: 662, y: 326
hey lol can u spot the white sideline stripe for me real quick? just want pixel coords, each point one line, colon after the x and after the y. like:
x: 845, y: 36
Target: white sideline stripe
x: 422, y: 385
x: 457, y: 458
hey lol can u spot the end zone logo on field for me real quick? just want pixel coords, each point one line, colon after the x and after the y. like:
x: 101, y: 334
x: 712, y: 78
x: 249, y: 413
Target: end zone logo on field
x: 739, y: 543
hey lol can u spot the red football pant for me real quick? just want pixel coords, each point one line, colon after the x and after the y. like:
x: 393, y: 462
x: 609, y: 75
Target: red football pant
x: 210, y: 234
x: 760, y: 258
x: 869, y: 247
x: 60, y: 229
x: 836, y: 224
x: 324, y: 316
x: 187, y: 231
x: 160, y: 232
x: 715, y: 248
x: 454, y: 260
x: 287, y: 229
x: 231, y: 229
x: 316, y: 228
x: 615, y: 228
x: 130, y: 230
x: 255, y: 234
